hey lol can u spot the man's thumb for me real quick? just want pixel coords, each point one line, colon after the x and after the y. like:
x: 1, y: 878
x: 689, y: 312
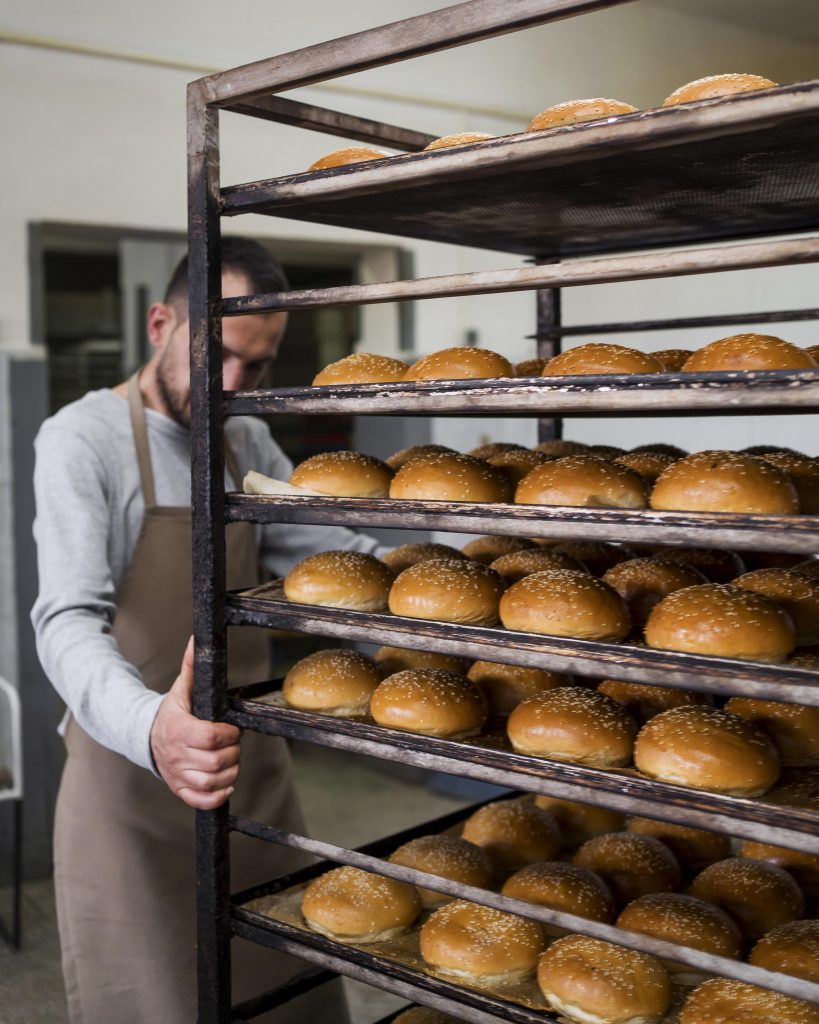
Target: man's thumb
x: 183, y: 684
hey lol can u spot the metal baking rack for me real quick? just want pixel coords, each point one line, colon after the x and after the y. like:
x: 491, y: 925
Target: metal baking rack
x: 721, y: 171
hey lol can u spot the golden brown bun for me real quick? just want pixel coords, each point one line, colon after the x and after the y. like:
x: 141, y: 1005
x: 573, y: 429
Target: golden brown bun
x: 813, y: 350
x: 396, y: 659
x: 810, y: 567
x: 358, y: 906
x: 457, y: 139
x: 644, y: 582
x: 644, y: 702
x: 430, y: 701
x: 448, y: 857
x: 694, y: 848
x: 673, y: 359
x: 659, y: 448
x: 415, y: 451
x: 793, y: 728
x: 559, y: 446
x: 756, y: 895
x: 505, y: 686
x: 340, y: 579
x: 631, y: 865
x: 423, y: 1015
x: 722, y: 620
x: 517, y: 564
x: 517, y: 463
x: 513, y: 834
x: 335, y: 682
x: 597, y: 556
x: 449, y: 477
x: 749, y: 352
x: 579, y: 822
x: 459, y: 363
x: 403, y: 557
x: 582, y: 480
x: 362, y: 368
x: 724, y: 482
x: 801, y: 866
x: 344, y: 475
x: 448, y: 590
x: 607, y: 452
x: 796, y: 594
x: 486, y: 451
x: 803, y: 472
x: 479, y: 944
x: 348, y: 155
x: 575, y: 111
x: 596, y: 358
x: 791, y: 948
x: 716, y: 565
x: 707, y: 749
x: 725, y: 1001
x: 565, y: 602
x: 717, y: 85
x: 574, y: 724
x: 488, y: 549
x: 564, y: 887
x: 648, y: 464
x: 597, y: 982
x: 685, y: 920
x: 529, y: 368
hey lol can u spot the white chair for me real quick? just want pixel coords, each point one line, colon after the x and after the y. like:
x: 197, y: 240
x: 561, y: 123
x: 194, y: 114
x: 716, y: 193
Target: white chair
x: 11, y: 789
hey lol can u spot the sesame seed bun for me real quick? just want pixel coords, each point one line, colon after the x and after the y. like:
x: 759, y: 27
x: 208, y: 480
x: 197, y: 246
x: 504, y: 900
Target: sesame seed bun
x: 792, y: 948
x: 403, y: 557
x: 334, y: 682
x: 757, y: 896
x: 810, y: 567
x: 631, y: 865
x: 575, y: 111
x: 529, y: 367
x: 564, y: 887
x: 717, y: 85
x: 362, y: 368
x: 505, y: 686
x: 579, y: 822
x: 415, y: 451
x: 357, y: 906
x: 722, y: 620
x: 423, y: 1015
x: 607, y: 452
x: 565, y: 602
x: 749, y: 352
x: 396, y: 659
x: 596, y: 358
x: 430, y: 701
x: 660, y: 448
x: 792, y: 728
x: 479, y: 944
x: 344, y: 475
x: 518, y: 564
x: 596, y: 982
x: 673, y: 359
x: 725, y: 1001
x: 803, y: 867
x: 513, y: 833
x: 597, y: 556
x: 706, y: 748
x: 582, y: 480
x: 716, y: 565
x: 516, y: 463
x: 457, y: 139
x: 486, y: 451
x: 803, y: 472
x: 648, y: 464
x: 347, y: 155
x: 694, y: 848
x: 795, y: 594
x: 449, y: 476
x: 716, y: 481
x: 489, y: 549
x: 448, y: 590
x: 643, y: 702
x: 340, y: 579
x: 559, y: 447
x: 459, y: 363
x: 644, y: 582
x: 573, y: 724
x: 448, y: 857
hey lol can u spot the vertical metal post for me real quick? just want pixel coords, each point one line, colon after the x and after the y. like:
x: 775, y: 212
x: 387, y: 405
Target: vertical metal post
x: 207, y: 501
x: 547, y: 333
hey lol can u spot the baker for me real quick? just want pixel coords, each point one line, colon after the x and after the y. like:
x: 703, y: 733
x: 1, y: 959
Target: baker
x: 112, y: 620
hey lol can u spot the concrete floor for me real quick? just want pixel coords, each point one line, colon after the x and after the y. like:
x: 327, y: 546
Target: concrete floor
x: 340, y: 794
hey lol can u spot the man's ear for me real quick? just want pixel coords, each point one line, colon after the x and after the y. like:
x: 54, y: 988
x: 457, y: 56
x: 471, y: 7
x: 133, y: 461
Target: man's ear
x: 162, y: 320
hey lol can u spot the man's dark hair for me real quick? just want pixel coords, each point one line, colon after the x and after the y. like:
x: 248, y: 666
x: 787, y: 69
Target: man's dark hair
x: 241, y: 256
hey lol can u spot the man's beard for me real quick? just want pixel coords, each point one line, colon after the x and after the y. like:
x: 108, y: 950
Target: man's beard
x: 174, y: 403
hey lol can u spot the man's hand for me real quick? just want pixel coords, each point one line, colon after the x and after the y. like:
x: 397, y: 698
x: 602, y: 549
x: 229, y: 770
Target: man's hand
x: 199, y: 760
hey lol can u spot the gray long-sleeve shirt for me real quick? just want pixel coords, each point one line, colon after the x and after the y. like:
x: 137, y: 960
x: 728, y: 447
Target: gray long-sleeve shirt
x: 89, y: 513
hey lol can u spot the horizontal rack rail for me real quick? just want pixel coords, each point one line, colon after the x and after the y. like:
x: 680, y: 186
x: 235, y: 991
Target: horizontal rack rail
x: 797, y: 534
x: 656, y: 394
x: 695, y: 958
x: 487, y: 761
x: 777, y: 316
x: 624, y: 661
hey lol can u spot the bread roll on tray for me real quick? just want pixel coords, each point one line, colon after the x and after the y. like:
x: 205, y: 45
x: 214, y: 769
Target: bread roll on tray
x: 694, y: 848
x: 488, y: 549
x: 340, y: 579
x: 792, y: 728
x: 361, y: 368
x: 717, y: 85
x: 415, y: 451
x: 347, y: 155
x: 448, y: 590
x: 719, y: 481
x: 576, y: 111
x: 505, y: 686
x: 395, y: 659
x: 644, y: 582
x: 725, y: 1001
x: 749, y: 352
x: 403, y: 557
x: 564, y: 887
x: 565, y: 602
x: 446, y: 476
x: 803, y: 867
x: 716, y: 565
x: 631, y: 865
x: 344, y: 475
x: 430, y: 701
x: 333, y: 682
x: 517, y: 564
x: 579, y: 822
x: 643, y: 702
x: 513, y: 833
x: 795, y: 594
x: 459, y: 363
x: 792, y: 948
x: 448, y: 857
x: 596, y: 358
x: 357, y: 906
x: 584, y: 481
x: 456, y: 139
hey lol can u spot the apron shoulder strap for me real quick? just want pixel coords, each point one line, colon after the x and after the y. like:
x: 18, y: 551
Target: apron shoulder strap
x: 140, y: 431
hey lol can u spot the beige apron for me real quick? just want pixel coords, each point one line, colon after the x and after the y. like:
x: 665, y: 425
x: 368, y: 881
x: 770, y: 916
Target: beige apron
x: 123, y: 843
